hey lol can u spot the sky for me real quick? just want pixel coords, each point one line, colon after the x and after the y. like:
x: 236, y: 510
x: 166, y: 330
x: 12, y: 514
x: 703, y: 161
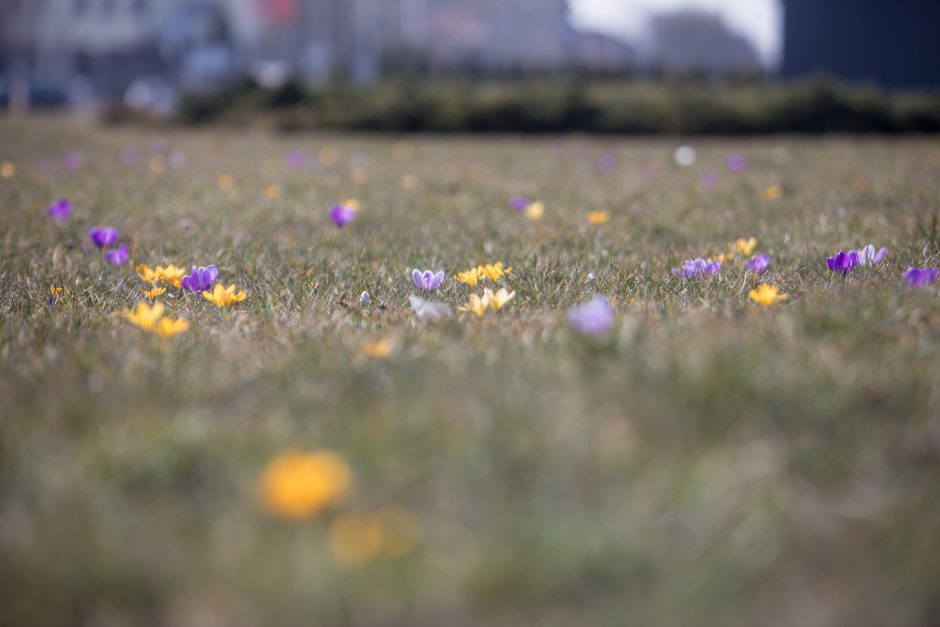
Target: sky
x: 757, y: 19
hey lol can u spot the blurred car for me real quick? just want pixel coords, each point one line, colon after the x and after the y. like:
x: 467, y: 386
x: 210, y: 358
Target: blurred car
x: 36, y: 94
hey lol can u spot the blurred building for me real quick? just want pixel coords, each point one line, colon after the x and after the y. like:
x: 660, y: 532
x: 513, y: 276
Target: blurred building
x: 891, y: 42
x: 106, y: 45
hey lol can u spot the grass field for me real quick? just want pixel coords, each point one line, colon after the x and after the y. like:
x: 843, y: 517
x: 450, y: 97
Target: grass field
x: 708, y: 462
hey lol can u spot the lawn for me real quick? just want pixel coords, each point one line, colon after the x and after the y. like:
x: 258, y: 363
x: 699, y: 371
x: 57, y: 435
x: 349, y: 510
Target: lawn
x: 708, y: 461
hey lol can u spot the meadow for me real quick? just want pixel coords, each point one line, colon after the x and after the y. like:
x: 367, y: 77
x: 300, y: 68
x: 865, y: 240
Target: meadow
x: 312, y: 456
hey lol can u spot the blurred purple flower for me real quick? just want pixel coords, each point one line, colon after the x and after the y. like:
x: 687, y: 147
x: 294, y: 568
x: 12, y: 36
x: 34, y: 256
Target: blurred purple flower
x: 104, y: 236
x: 427, y: 280
x: 736, y: 162
x: 364, y: 298
x: 868, y: 256
x: 176, y: 160
x: 697, y: 268
x: 60, y: 209
x: 843, y: 262
x: 130, y: 156
x: 117, y: 256
x: 519, y: 203
x: 758, y: 264
x: 296, y: 160
x: 709, y: 180
x: 200, y: 279
x: 607, y: 163
x: 342, y: 215
x: 921, y: 277
x: 73, y: 161
x: 594, y: 317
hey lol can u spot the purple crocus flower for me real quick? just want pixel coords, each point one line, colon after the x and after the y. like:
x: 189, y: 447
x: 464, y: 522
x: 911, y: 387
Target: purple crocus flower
x: 60, y: 209
x: 843, y: 262
x: 73, y: 161
x: 709, y: 180
x: 519, y: 203
x: 104, y: 236
x: 117, y: 256
x: 758, y: 264
x: 296, y: 160
x: 697, y: 268
x: 130, y: 156
x: 200, y: 279
x: 427, y: 281
x: 594, y: 317
x: 342, y: 215
x: 736, y: 162
x: 921, y: 277
x: 867, y: 255
x: 607, y: 163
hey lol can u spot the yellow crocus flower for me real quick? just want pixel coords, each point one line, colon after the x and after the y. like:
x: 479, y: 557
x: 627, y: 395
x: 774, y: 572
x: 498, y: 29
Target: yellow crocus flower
x: 535, y: 210
x: 766, y: 295
x: 154, y: 292
x: 147, y: 274
x: 475, y: 305
x: 168, y: 327
x: 380, y: 349
x: 597, y: 218
x: 171, y: 274
x: 471, y: 277
x: 297, y: 485
x: 145, y: 316
x: 224, y: 296
x: 495, y: 301
x: 744, y: 247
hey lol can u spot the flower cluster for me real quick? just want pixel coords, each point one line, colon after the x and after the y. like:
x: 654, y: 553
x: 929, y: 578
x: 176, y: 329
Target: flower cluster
x: 492, y: 271
x: 490, y: 300
x: 104, y: 237
x: 161, y: 274
x: 151, y: 318
x: 842, y: 262
x: 921, y: 277
x: 200, y: 278
x: 697, y: 268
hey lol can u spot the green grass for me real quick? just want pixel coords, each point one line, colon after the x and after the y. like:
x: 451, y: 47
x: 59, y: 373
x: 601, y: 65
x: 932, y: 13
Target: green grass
x: 711, y: 463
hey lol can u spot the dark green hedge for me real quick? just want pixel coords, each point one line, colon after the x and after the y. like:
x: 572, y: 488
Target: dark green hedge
x: 569, y: 106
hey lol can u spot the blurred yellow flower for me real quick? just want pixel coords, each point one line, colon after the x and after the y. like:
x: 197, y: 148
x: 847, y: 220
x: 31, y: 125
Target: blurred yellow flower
x: 471, y: 277
x: 352, y: 203
x: 742, y: 247
x: 55, y: 291
x: 475, y: 304
x: 401, y: 531
x: 223, y: 296
x: 158, y: 165
x: 355, y: 539
x: 272, y: 192
x: 409, y: 182
x: 597, y: 218
x: 497, y: 300
x: 154, y: 292
x: 773, y: 192
x: 7, y: 170
x: 535, y: 210
x: 766, y: 295
x: 297, y: 485
x: 168, y: 327
x: 225, y: 182
x: 379, y: 349
x: 145, y: 316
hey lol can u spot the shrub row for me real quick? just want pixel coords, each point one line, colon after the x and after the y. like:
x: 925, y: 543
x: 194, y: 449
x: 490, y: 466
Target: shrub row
x: 557, y: 107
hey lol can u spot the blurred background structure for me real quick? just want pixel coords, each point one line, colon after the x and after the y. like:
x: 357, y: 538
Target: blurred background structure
x: 146, y: 51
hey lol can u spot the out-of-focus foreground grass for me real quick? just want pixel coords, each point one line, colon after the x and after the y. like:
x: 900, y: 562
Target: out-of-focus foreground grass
x: 712, y: 463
